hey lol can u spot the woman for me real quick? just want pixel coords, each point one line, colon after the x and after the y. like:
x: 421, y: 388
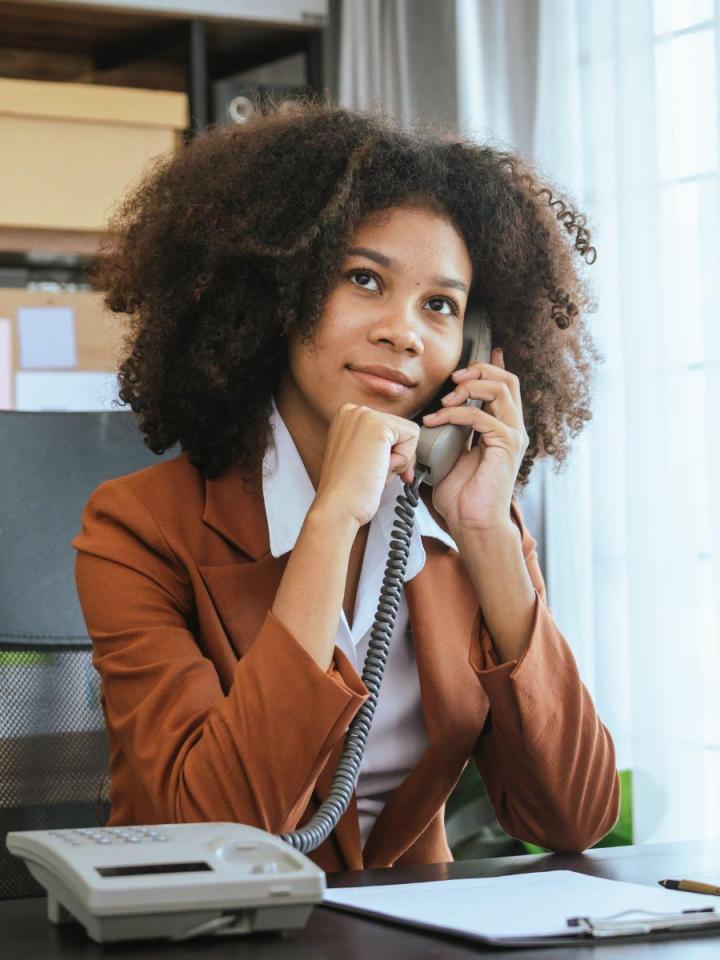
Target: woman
x: 229, y: 592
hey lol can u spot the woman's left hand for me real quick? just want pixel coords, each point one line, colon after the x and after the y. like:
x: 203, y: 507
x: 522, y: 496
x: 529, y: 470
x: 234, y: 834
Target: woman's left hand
x: 476, y: 494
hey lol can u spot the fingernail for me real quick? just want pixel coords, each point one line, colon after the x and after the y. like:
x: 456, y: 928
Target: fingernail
x: 449, y: 397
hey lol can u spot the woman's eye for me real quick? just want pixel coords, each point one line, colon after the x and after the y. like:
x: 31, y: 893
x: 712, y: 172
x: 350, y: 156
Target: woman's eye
x: 362, y: 273
x: 449, y: 303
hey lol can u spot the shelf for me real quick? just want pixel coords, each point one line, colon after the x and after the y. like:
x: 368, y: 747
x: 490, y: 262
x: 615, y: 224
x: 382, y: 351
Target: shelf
x: 27, y: 240
x: 140, y: 45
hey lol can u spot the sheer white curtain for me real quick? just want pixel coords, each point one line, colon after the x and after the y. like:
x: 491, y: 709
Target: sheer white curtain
x: 625, y: 120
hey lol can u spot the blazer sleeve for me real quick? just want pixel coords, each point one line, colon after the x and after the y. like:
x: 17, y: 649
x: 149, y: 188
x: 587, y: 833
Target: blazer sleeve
x: 548, y: 762
x: 252, y: 755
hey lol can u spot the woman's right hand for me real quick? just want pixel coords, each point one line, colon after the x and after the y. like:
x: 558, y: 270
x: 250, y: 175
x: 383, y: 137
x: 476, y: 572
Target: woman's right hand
x: 364, y: 448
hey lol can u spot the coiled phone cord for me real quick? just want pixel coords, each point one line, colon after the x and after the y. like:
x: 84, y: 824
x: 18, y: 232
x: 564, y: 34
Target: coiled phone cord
x: 321, y: 825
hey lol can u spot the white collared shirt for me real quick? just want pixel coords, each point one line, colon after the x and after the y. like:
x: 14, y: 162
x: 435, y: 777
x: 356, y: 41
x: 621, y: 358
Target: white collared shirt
x: 397, y: 738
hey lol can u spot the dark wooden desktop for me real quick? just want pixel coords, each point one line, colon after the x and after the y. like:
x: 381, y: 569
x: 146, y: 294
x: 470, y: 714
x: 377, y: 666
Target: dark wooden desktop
x: 25, y: 933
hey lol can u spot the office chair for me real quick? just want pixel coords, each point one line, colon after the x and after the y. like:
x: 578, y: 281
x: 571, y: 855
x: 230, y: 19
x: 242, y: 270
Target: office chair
x: 53, y: 746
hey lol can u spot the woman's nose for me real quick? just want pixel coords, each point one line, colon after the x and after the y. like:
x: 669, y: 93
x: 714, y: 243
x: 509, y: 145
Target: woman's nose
x: 400, y: 327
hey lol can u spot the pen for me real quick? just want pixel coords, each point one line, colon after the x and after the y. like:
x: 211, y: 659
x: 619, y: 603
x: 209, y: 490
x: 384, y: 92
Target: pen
x: 692, y: 886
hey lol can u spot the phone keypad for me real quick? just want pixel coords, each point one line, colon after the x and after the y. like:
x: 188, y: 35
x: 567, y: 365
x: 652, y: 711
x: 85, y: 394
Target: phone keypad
x: 102, y: 836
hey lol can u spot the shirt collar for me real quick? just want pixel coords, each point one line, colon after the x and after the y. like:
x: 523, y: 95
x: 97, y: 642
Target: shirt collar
x: 288, y: 494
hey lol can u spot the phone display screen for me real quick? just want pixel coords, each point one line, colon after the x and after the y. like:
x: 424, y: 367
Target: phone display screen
x: 143, y: 869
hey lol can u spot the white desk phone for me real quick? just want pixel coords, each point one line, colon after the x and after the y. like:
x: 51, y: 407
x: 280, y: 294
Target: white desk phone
x: 181, y: 880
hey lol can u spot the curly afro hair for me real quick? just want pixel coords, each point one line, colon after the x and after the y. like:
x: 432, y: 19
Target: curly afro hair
x: 226, y: 245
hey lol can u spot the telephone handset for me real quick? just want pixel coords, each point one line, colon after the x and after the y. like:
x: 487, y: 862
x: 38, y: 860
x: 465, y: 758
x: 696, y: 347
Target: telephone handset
x: 439, y: 448
x: 178, y: 881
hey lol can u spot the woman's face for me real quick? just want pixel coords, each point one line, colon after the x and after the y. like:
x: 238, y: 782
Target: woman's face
x: 399, y: 302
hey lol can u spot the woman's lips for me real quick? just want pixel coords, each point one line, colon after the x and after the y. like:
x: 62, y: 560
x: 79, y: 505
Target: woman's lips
x: 388, y: 388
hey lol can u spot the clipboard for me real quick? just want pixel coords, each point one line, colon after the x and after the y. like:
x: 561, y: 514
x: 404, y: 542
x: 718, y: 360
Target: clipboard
x: 637, y: 927
x: 645, y: 922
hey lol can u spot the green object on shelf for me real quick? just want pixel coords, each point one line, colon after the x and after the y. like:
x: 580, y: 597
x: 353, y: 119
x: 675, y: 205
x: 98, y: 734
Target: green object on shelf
x: 22, y: 658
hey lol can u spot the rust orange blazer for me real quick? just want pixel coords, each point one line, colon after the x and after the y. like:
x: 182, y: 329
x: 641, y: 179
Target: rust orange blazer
x: 215, y: 711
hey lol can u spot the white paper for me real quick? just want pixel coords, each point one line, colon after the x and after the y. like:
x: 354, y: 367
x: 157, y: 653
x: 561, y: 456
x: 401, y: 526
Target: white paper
x: 73, y: 390
x: 47, y: 337
x: 519, y: 905
x: 6, y: 364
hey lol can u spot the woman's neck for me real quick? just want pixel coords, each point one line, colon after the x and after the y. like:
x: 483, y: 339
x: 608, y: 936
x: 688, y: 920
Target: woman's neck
x: 309, y: 432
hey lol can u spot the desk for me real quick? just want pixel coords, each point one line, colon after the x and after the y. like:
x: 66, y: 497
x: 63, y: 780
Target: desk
x: 25, y: 934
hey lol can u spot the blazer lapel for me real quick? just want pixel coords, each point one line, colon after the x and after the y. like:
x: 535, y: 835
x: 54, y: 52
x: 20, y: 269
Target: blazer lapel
x: 241, y: 591
x: 236, y: 513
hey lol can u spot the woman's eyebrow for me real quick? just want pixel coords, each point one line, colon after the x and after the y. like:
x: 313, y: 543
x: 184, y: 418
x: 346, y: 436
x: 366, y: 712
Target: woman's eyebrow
x: 387, y: 262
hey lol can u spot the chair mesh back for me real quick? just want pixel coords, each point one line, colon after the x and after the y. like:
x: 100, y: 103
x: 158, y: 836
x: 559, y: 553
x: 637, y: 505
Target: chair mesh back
x: 53, y: 752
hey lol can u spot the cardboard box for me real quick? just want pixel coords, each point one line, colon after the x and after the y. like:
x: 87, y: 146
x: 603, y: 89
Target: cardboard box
x: 71, y: 151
